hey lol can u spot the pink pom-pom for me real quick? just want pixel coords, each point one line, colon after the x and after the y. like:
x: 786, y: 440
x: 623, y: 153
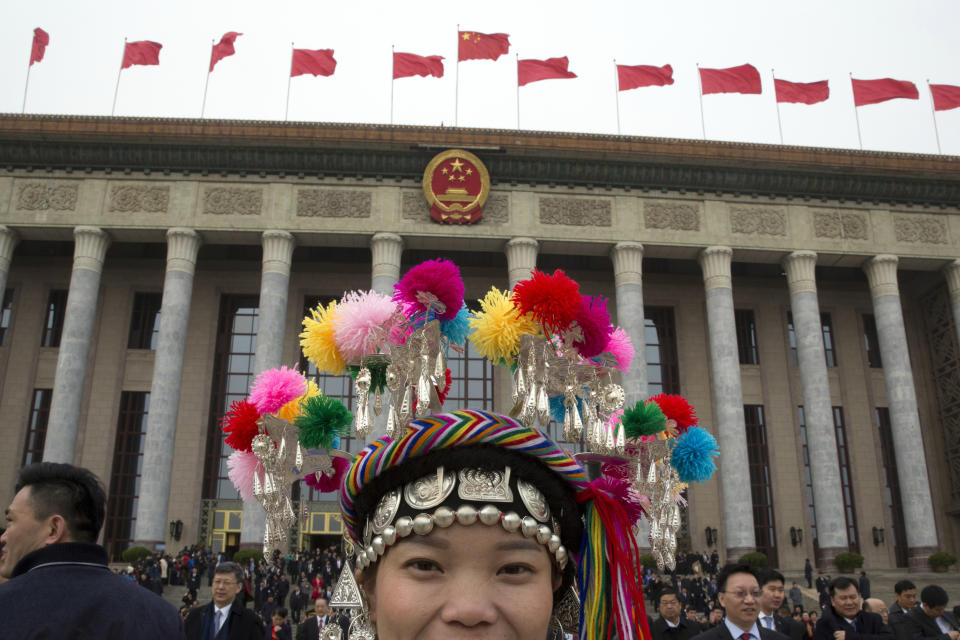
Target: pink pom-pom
x: 621, y: 347
x: 439, y: 278
x: 241, y: 465
x: 594, y: 322
x: 324, y: 483
x: 363, y: 322
x: 275, y: 388
x: 621, y: 492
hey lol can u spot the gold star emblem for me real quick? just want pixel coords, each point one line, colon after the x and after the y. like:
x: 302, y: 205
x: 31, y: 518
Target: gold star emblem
x: 452, y: 177
x: 461, y: 178
x: 444, y: 171
x: 466, y: 36
x: 469, y: 172
x: 456, y: 165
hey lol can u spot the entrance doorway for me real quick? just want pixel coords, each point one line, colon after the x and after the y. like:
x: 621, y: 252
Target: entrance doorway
x: 231, y: 544
x: 320, y: 541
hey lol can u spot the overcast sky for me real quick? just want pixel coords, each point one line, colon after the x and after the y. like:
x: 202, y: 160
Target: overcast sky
x: 913, y: 40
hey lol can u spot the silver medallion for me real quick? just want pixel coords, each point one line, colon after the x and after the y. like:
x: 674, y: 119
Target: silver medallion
x: 429, y: 491
x: 534, y: 501
x: 386, y: 510
x: 485, y: 485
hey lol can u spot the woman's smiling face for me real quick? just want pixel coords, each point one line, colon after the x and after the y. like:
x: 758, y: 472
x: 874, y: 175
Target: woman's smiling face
x: 463, y: 582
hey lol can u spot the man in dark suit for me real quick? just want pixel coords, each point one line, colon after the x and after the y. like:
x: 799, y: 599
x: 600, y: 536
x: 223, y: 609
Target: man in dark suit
x: 844, y: 619
x: 906, y: 593
x: 671, y: 625
x: 771, y: 599
x: 225, y: 618
x: 322, y: 614
x: 931, y: 619
x: 739, y: 594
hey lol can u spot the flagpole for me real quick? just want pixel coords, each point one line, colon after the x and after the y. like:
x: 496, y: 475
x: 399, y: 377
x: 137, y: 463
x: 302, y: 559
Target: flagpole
x: 456, y: 83
x: 286, y: 110
x: 616, y: 94
x: 518, y: 91
x: 855, y: 114
x: 933, y: 113
x: 117, y: 88
x: 206, y: 84
x: 29, y: 65
x: 776, y: 101
x: 703, y: 122
x: 393, y: 67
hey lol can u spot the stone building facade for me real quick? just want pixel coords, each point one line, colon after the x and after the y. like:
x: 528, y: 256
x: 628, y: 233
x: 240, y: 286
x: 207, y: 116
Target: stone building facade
x: 805, y: 300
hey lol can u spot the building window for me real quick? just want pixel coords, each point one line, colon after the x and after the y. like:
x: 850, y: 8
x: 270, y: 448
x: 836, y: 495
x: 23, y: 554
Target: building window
x: 145, y: 321
x: 871, y: 341
x: 663, y: 372
x: 747, y: 336
x: 5, y: 314
x: 761, y: 488
x: 472, y: 380
x: 125, y: 476
x: 232, y: 377
x: 53, y: 322
x: 826, y: 327
x: 895, y: 532
x: 37, y: 429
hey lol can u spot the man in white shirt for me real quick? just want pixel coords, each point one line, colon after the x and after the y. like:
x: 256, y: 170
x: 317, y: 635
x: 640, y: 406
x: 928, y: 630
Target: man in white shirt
x: 931, y: 619
x: 739, y: 594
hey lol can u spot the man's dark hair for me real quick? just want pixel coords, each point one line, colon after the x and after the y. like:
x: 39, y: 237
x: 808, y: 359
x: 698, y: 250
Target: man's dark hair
x: 73, y: 493
x: 731, y: 569
x: 843, y: 583
x: 230, y: 567
x: 281, y: 611
x: 934, y: 596
x: 769, y: 575
x: 903, y: 585
x: 668, y: 591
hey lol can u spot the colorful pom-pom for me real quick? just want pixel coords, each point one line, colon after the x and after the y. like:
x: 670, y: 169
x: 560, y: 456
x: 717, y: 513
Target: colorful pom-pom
x: 554, y: 300
x: 324, y: 483
x: 317, y: 339
x: 456, y: 330
x: 363, y: 323
x: 619, y: 490
x: 241, y: 465
x: 594, y: 322
x: 497, y: 327
x: 291, y: 410
x: 439, y: 278
x: 322, y: 419
x: 557, y: 409
x: 643, y: 419
x: 621, y: 348
x: 676, y: 408
x: 274, y: 388
x: 240, y: 423
x: 693, y: 455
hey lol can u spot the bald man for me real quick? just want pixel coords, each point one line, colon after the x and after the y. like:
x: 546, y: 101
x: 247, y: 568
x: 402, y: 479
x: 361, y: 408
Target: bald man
x: 876, y: 605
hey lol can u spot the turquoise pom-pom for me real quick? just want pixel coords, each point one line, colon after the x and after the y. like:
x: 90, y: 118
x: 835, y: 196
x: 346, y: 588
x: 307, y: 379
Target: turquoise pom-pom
x: 693, y: 455
x: 457, y: 329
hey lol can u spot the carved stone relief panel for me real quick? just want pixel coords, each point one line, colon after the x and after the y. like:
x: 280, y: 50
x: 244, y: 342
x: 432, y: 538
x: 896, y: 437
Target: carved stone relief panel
x: 757, y: 220
x: 330, y: 203
x: 414, y: 207
x: 576, y: 212
x: 840, y: 224
x: 496, y: 210
x: 678, y: 216
x: 919, y: 228
x: 238, y: 201
x: 129, y: 198
x: 47, y: 195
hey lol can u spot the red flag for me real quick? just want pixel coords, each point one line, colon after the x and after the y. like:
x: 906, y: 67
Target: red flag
x: 535, y: 70
x: 802, y: 92
x: 143, y: 52
x: 742, y: 79
x: 316, y: 62
x: 223, y: 48
x: 482, y: 46
x: 410, y: 64
x: 945, y: 96
x: 40, y: 41
x: 643, y: 76
x: 881, y: 90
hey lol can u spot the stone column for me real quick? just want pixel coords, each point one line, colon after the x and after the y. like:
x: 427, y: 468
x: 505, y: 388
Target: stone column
x: 154, y: 495
x: 268, y: 354
x: 521, y: 259
x: 817, y: 411
x: 728, y: 403
x: 90, y: 248
x: 904, y: 419
x: 627, y: 272
x: 386, y: 249
x: 8, y: 241
x: 952, y: 274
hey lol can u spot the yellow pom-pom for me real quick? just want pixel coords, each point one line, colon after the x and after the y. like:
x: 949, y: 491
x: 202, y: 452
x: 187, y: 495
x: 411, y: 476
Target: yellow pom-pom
x: 291, y: 410
x: 317, y: 339
x: 497, y: 327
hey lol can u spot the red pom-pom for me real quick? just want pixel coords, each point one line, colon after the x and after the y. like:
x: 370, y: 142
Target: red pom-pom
x: 678, y: 409
x: 325, y: 483
x: 240, y: 422
x: 594, y: 322
x: 554, y: 300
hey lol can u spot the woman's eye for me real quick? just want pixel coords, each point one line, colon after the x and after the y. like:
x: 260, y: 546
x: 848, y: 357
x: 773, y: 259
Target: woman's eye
x: 423, y: 565
x: 516, y: 569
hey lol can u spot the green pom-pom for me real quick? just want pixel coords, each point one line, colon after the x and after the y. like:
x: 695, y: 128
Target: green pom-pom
x: 643, y: 419
x: 321, y: 421
x: 378, y: 374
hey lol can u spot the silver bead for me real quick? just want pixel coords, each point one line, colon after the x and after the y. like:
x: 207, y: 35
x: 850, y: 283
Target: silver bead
x: 561, y: 556
x: 378, y: 545
x: 371, y: 554
x: 422, y: 524
x: 404, y: 526
x: 361, y: 560
x: 389, y: 536
x: 466, y: 514
x: 489, y: 515
x: 443, y: 517
x: 543, y: 534
x: 553, y: 543
x: 529, y: 527
x: 511, y: 521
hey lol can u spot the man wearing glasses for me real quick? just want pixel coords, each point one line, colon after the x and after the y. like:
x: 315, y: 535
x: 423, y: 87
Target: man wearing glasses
x: 224, y: 618
x: 739, y: 594
x: 844, y: 618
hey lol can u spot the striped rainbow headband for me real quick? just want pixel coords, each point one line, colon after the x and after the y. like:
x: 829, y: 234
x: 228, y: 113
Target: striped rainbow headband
x: 447, y: 431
